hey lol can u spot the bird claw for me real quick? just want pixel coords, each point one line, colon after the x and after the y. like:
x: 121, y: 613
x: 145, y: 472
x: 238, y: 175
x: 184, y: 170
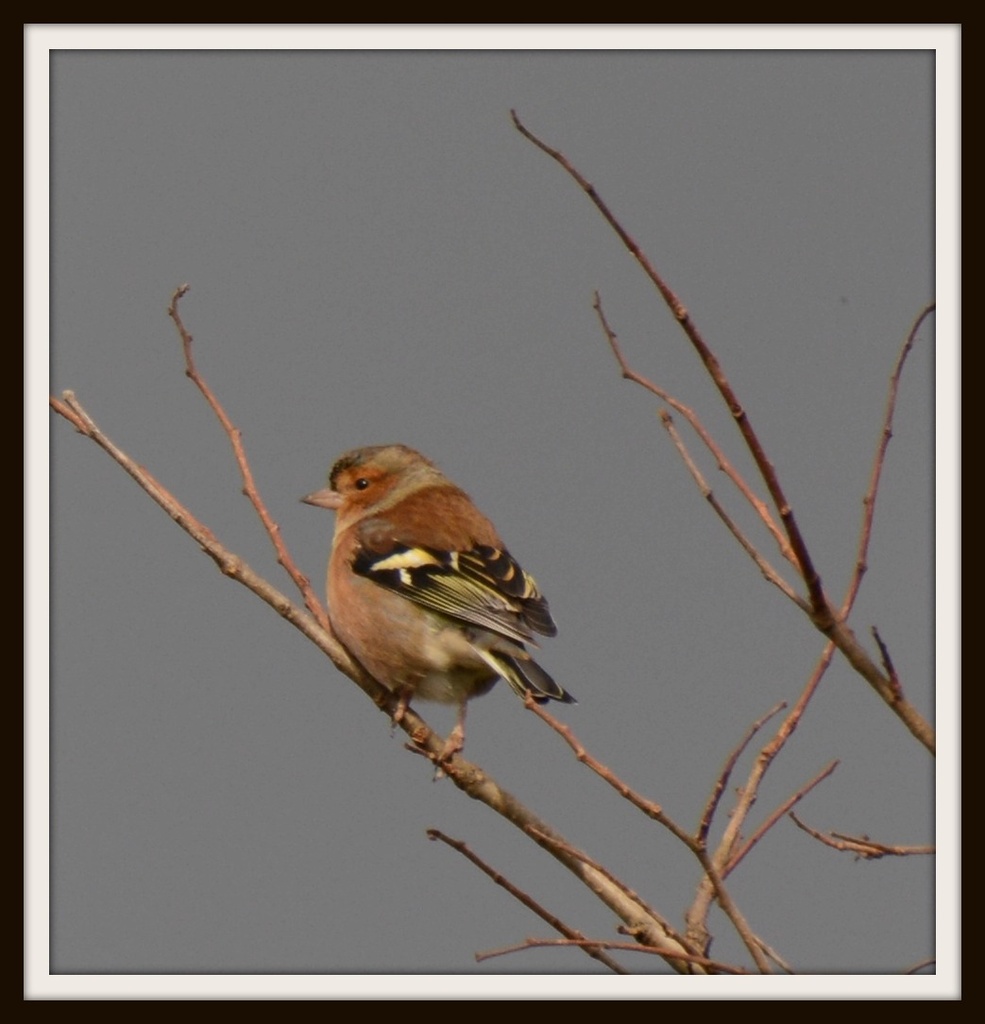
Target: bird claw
x: 452, y: 745
x: 403, y: 703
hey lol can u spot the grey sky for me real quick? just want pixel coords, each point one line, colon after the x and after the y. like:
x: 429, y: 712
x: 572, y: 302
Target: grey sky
x: 376, y: 255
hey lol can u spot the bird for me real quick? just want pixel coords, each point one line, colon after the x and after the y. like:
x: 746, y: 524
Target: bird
x: 421, y: 589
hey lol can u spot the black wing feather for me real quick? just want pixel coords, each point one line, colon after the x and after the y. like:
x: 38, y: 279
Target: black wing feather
x: 485, y: 586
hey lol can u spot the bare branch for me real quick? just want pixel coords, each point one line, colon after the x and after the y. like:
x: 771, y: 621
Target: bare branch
x: 705, y: 824
x: 863, y: 846
x: 697, y: 913
x: 648, y: 807
x: 64, y: 410
x: 249, y: 486
x: 715, y: 966
x: 758, y: 506
x: 776, y: 815
x: 229, y: 564
x: 753, y: 942
x: 654, y: 811
x: 631, y: 893
x: 778, y: 960
x: 528, y: 901
x: 887, y: 662
x: 764, y: 567
x: 846, y: 642
x: 869, y: 501
x: 821, y: 613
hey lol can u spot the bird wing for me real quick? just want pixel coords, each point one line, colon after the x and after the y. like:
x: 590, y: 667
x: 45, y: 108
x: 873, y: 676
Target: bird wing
x: 483, y: 585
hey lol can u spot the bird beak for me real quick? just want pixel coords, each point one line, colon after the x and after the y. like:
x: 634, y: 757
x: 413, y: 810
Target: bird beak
x: 325, y: 498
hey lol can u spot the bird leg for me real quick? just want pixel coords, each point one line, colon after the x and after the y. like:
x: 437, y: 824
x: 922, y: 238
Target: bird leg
x: 403, y: 701
x: 456, y: 738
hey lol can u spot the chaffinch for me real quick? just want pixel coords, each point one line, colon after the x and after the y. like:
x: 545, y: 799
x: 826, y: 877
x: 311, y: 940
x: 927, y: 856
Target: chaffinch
x: 422, y: 591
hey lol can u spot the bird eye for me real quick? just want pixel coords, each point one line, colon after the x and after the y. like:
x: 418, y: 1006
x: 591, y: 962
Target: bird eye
x: 362, y: 483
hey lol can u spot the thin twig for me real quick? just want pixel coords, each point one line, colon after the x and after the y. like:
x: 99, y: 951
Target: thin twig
x: 863, y: 846
x: 778, y: 960
x: 869, y: 501
x: 887, y: 661
x: 235, y: 436
x: 776, y: 815
x: 230, y: 565
x: 654, y: 811
x: 722, y: 781
x: 65, y: 410
x: 597, y: 944
x: 757, y: 504
x: 528, y: 901
x: 764, y: 567
x: 648, y: 807
x: 752, y: 941
x: 697, y: 913
x: 631, y: 893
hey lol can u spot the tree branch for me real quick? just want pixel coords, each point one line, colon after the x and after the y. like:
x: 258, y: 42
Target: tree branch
x: 776, y: 815
x: 869, y: 501
x: 713, y: 877
x: 862, y: 846
x: 820, y: 611
x: 528, y: 901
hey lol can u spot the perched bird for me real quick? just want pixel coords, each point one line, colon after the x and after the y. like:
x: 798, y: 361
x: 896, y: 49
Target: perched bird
x: 422, y: 591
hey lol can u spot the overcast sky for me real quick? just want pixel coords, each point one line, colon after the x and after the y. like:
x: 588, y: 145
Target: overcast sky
x: 375, y: 254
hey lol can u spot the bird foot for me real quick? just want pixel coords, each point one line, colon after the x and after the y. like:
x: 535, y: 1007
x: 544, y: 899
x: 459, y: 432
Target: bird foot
x: 452, y: 745
x: 403, y: 703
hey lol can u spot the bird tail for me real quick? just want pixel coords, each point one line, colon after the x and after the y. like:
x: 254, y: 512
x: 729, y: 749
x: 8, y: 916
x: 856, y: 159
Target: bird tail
x: 525, y: 676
